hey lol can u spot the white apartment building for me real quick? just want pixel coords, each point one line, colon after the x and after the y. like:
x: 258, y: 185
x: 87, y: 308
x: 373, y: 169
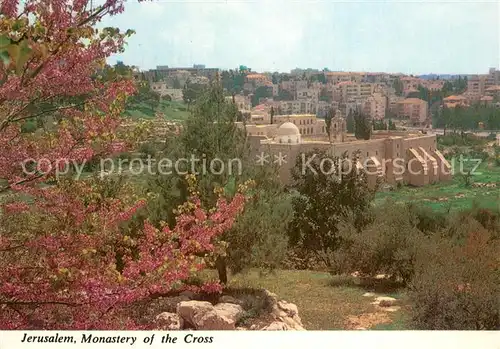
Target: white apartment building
x: 375, y: 106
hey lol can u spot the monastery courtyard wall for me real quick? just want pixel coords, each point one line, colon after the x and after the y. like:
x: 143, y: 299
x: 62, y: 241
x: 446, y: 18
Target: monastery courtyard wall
x: 413, y: 161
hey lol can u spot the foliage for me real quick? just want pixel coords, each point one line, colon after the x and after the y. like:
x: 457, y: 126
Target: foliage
x: 191, y: 92
x: 82, y: 273
x: 327, y: 196
x: 210, y: 134
x: 350, y: 125
x: 461, y: 118
x: 261, y: 92
x: 398, y: 86
x: 388, y: 245
x: 362, y: 126
x: 258, y: 238
x: 67, y: 261
x: 144, y: 95
x: 457, y: 285
x: 328, y: 122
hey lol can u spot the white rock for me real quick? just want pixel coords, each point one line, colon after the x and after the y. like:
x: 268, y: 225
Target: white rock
x: 392, y: 309
x: 369, y: 294
x: 276, y: 326
x: 385, y: 301
x: 214, y: 321
x: 229, y: 310
x: 189, y: 311
x: 292, y: 324
x: 168, y: 321
x: 289, y: 308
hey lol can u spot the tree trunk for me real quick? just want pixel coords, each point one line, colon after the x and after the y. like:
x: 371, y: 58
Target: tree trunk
x: 221, y: 265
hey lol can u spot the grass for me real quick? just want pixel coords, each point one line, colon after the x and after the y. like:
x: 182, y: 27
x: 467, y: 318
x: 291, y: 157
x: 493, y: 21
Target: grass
x: 453, y: 195
x: 324, y: 301
x: 174, y: 111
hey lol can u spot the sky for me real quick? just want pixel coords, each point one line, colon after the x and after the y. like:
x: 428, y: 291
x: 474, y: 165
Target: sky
x: 411, y: 37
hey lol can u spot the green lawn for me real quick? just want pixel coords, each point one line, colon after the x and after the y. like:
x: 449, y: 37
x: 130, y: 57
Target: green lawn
x: 454, y: 195
x: 325, y: 302
x: 172, y: 110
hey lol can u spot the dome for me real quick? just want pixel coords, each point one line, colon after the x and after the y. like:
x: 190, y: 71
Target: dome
x: 288, y: 129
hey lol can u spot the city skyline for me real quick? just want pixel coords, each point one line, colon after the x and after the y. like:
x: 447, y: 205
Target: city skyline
x: 396, y: 37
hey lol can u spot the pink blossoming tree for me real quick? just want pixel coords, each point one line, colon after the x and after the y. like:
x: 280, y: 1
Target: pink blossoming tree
x: 67, y: 262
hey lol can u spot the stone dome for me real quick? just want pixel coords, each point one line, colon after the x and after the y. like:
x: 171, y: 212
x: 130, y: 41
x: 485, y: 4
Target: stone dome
x: 288, y: 129
x: 288, y: 133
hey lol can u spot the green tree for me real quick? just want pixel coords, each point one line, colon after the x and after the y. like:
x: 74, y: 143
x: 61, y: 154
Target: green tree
x: 222, y: 159
x: 398, y: 86
x: 328, y: 122
x: 350, y: 123
x: 261, y: 92
x: 362, y: 125
x: 326, y: 197
x: 191, y: 92
x: 144, y: 95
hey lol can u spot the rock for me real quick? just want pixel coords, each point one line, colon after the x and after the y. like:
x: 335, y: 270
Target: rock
x: 241, y: 329
x: 392, y: 309
x: 369, y: 294
x: 289, y: 308
x: 204, y: 316
x: 385, y: 301
x: 272, y: 298
x: 234, y: 312
x: 253, y: 327
x: 190, y: 311
x: 212, y: 321
x: 276, y: 326
x: 168, y: 321
x: 381, y: 276
x: 229, y: 299
x: 293, y: 324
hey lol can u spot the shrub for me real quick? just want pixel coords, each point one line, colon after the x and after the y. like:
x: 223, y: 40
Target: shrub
x: 325, y: 200
x: 388, y: 245
x: 457, y: 285
x: 258, y: 237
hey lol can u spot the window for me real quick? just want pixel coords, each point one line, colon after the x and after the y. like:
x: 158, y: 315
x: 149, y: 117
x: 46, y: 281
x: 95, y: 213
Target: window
x: 367, y: 153
x: 397, y: 146
x: 376, y: 152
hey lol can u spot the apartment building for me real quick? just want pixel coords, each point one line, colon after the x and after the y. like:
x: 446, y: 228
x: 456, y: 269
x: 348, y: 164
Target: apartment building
x: 410, y: 84
x: 493, y: 91
x: 298, y: 107
x: 337, y: 77
x: 348, y: 90
x: 375, y: 106
x: 414, y: 109
x: 308, y: 94
x: 476, y: 84
x: 293, y: 86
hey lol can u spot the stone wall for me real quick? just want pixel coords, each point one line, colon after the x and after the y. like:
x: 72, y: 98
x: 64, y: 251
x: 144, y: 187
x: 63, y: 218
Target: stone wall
x: 391, y: 158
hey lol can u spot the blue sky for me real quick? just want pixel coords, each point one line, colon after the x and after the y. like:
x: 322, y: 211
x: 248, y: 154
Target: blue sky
x: 412, y: 37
